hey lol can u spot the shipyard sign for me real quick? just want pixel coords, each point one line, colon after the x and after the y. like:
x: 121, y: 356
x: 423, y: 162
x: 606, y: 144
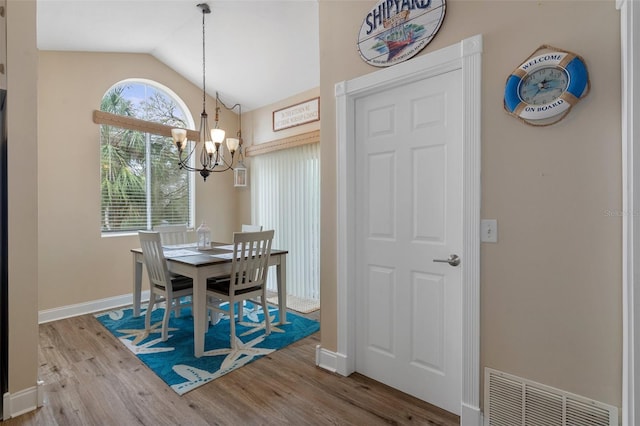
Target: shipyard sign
x: 395, y: 30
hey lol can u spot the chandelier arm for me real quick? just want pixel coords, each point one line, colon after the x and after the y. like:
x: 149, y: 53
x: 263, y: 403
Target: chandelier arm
x: 187, y: 167
x: 212, y: 166
x: 215, y: 169
x: 228, y: 165
x: 232, y: 108
x: 183, y: 163
x: 225, y: 105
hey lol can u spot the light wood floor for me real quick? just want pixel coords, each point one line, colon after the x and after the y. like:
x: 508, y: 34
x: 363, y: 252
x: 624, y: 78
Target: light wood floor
x: 90, y: 378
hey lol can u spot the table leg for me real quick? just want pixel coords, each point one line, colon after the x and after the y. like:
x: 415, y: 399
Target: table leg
x: 281, y: 278
x: 137, y: 286
x: 199, y: 314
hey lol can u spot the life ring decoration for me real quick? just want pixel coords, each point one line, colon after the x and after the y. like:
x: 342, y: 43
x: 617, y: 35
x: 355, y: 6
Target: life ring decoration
x: 542, y: 90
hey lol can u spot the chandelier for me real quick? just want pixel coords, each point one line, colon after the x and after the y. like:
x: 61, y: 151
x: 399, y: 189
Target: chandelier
x: 209, y: 143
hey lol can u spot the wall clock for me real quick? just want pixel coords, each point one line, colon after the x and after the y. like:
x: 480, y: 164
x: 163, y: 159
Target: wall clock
x: 545, y: 87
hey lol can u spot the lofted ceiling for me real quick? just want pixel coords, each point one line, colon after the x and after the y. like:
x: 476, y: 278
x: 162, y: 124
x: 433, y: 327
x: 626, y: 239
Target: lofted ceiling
x: 257, y: 51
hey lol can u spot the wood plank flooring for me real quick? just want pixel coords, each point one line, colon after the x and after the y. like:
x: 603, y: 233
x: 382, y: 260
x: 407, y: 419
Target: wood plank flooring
x: 90, y: 378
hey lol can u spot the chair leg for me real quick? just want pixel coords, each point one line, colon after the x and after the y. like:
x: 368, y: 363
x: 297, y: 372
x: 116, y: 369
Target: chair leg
x: 267, y: 320
x: 147, y: 317
x: 165, y: 320
x: 232, y: 324
x: 211, y: 317
x: 213, y: 314
x: 178, y: 307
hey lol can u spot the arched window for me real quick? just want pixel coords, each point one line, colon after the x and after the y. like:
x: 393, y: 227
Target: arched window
x: 141, y: 184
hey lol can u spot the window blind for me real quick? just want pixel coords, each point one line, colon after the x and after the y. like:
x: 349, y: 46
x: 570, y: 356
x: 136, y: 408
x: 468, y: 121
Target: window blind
x: 141, y: 185
x: 285, y: 196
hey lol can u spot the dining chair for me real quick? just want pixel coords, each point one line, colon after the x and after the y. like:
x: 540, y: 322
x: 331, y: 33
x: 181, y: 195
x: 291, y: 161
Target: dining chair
x: 164, y: 286
x: 248, y: 228
x: 172, y: 234
x: 247, y: 279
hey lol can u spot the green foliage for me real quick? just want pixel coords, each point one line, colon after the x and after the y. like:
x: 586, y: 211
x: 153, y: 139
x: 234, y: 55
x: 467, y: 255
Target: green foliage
x: 140, y: 178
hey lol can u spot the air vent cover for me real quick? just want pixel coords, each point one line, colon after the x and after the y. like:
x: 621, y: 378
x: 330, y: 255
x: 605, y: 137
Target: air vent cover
x: 512, y: 401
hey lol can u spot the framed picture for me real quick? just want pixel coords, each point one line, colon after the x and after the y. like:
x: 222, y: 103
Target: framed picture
x: 296, y: 115
x: 240, y: 176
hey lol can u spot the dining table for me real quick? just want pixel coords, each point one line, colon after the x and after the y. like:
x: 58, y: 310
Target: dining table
x: 199, y: 265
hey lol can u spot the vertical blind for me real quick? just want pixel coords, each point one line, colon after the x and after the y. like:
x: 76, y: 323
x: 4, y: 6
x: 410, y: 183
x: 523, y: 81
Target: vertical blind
x: 285, y: 196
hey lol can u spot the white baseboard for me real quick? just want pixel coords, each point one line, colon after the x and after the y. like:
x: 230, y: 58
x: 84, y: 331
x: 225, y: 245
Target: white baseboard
x: 6, y: 406
x: 470, y: 416
x: 332, y: 361
x: 21, y: 402
x: 326, y: 359
x: 88, y: 307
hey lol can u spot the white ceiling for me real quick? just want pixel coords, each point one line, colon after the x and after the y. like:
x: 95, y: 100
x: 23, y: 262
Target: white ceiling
x: 257, y: 51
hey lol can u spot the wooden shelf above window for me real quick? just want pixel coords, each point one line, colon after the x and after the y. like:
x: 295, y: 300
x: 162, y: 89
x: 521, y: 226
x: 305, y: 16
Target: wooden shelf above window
x: 106, y: 118
x: 284, y: 143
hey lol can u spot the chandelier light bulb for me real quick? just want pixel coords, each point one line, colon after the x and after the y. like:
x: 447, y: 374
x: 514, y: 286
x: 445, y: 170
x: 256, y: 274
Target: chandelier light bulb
x: 217, y: 135
x: 179, y: 138
x: 232, y: 144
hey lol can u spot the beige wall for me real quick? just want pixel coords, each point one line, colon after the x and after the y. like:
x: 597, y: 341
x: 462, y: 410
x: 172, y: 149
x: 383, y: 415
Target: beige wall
x: 76, y: 263
x: 22, y: 99
x: 551, y: 287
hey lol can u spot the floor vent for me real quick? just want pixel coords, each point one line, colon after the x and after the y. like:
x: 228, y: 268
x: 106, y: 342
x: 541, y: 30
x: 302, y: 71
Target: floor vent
x: 513, y: 401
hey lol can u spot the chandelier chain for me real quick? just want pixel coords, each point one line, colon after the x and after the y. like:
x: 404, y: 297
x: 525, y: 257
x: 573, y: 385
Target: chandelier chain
x: 204, y: 69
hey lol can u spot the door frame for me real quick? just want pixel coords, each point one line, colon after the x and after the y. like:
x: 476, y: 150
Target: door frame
x: 630, y: 101
x: 466, y: 56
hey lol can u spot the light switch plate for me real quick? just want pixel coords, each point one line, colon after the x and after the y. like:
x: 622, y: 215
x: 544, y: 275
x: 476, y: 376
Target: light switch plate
x: 489, y: 231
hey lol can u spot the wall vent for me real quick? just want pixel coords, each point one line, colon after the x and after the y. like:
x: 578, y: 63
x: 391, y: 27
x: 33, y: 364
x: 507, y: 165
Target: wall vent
x: 512, y: 401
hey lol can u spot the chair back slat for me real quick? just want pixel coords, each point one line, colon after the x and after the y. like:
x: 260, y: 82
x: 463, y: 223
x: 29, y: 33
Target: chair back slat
x: 251, y: 259
x: 154, y: 259
x: 172, y: 234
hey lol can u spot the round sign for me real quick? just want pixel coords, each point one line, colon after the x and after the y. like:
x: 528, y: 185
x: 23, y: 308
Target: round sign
x: 395, y: 30
x: 542, y: 90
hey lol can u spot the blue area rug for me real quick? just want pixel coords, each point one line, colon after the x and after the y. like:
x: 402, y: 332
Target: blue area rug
x: 173, y: 360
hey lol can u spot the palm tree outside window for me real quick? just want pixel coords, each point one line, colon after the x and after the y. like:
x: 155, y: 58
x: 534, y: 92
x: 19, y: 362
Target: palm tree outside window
x: 141, y: 186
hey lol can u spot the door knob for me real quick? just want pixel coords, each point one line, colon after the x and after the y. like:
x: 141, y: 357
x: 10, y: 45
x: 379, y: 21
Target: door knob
x: 453, y: 260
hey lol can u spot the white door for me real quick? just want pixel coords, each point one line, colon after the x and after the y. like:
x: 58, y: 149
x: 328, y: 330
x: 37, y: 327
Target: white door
x: 408, y: 146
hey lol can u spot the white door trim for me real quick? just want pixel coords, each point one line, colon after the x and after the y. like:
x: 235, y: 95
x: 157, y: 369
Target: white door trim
x: 465, y: 55
x: 629, y: 21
